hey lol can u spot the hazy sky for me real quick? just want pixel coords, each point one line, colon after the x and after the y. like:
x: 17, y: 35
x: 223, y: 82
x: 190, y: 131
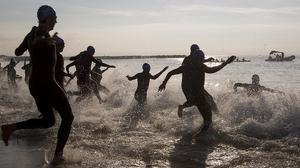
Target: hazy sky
x: 149, y: 27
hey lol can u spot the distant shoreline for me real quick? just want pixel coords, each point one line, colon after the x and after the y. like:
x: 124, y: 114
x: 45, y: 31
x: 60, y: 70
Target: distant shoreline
x: 21, y: 58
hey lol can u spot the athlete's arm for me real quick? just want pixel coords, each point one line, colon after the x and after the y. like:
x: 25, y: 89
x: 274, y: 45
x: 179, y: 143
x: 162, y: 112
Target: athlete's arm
x: 159, y: 73
x: 171, y: 73
x: 270, y: 90
x: 102, y: 71
x: 22, y: 47
x: 133, y: 77
x: 70, y: 65
x: 219, y: 67
x: 102, y: 64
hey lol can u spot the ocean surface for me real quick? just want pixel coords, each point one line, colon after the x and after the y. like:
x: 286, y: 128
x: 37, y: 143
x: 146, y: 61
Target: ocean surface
x: 247, y: 131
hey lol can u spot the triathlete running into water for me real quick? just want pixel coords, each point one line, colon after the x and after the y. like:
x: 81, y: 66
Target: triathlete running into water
x: 42, y: 85
x: 143, y: 83
x: 193, y: 79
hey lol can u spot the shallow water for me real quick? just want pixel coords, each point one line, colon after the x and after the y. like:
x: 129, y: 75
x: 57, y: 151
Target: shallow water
x: 247, y: 132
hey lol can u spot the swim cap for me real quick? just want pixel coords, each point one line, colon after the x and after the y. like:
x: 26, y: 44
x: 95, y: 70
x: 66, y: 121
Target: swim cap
x: 146, y: 67
x: 91, y: 49
x: 255, y: 76
x: 44, y: 12
x: 194, y: 47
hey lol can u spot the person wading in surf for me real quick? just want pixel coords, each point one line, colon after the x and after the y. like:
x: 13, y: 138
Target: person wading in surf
x: 254, y: 89
x: 11, y: 73
x: 82, y: 63
x: 193, y: 78
x: 96, y: 75
x: 42, y: 84
x: 143, y: 83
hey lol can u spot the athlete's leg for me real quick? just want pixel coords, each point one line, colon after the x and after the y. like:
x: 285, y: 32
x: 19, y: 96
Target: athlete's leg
x: 47, y: 120
x: 61, y: 104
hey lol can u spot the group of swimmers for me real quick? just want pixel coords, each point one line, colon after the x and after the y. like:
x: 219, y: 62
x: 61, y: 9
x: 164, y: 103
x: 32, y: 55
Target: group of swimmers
x: 46, y: 84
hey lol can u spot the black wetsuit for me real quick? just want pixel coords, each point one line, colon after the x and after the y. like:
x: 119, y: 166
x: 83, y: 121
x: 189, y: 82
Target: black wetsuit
x: 142, y: 88
x: 44, y: 88
x: 188, y: 87
x: 59, y: 70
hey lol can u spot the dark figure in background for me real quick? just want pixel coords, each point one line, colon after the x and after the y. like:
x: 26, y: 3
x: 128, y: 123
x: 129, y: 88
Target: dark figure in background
x: 255, y: 88
x: 96, y: 75
x: 193, y: 79
x: 82, y: 63
x: 143, y: 83
x: 59, y: 67
x: 11, y: 73
x: 42, y: 84
x: 27, y: 68
x: 188, y: 60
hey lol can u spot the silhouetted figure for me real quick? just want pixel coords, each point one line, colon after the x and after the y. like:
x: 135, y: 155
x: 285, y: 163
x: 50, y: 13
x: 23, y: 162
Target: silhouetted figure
x: 143, y: 83
x: 254, y: 88
x: 188, y: 60
x: 27, y: 68
x: 59, y: 67
x: 11, y: 73
x: 82, y: 63
x: 96, y: 75
x: 42, y: 85
x: 193, y: 78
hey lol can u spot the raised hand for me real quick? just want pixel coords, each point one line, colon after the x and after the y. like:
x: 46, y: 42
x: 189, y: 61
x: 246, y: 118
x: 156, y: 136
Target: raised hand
x: 230, y: 59
x: 162, y: 87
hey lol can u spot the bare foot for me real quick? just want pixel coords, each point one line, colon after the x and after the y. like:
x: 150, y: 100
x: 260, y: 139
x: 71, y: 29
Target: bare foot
x: 7, y: 130
x: 179, y: 112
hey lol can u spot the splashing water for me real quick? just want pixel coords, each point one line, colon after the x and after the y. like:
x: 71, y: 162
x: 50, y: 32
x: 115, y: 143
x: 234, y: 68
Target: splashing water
x: 119, y: 133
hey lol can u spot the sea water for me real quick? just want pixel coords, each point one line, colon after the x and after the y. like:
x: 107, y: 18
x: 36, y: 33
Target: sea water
x: 247, y: 131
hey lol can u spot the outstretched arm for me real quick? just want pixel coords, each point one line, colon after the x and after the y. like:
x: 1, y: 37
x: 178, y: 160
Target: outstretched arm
x: 104, y: 70
x: 271, y: 90
x: 66, y: 74
x: 159, y: 73
x: 171, y: 73
x: 5, y: 68
x: 219, y: 67
x: 132, y: 78
x: 70, y: 65
x: 102, y: 64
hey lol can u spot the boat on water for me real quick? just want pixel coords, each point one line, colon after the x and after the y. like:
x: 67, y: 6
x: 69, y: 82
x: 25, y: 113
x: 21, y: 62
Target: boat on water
x: 278, y: 56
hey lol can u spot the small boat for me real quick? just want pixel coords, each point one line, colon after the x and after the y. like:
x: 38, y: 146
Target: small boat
x: 277, y: 56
